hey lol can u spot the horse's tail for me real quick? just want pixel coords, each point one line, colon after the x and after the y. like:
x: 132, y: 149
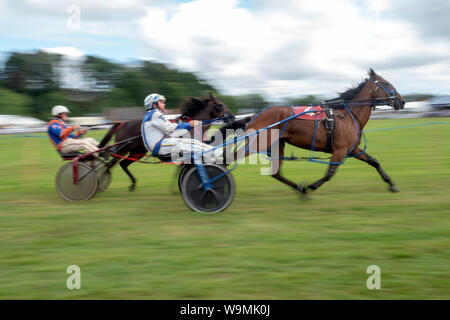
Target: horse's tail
x: 110, y: 133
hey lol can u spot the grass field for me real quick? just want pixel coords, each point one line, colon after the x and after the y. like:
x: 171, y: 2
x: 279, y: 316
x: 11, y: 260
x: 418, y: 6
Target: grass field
x: 268, y: 244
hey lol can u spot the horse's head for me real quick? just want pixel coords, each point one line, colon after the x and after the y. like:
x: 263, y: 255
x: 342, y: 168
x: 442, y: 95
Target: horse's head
x: 382, y: 90
x: 205, y: 109
x: 217, y: 108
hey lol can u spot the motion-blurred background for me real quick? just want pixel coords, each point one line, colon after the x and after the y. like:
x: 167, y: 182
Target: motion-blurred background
x: 99, y: 57
x: 96, y: 55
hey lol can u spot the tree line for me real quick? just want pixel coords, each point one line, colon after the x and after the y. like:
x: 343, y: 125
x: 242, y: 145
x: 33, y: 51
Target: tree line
x: 32, y: 82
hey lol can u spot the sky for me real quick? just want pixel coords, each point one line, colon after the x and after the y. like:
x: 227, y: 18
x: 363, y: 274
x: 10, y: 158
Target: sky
x: 271, y: 47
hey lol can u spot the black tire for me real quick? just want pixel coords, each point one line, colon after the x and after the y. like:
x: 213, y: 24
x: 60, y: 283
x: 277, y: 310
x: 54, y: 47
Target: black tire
x: 83, y: 190
x: 183, y: 170
x: 210, y: 201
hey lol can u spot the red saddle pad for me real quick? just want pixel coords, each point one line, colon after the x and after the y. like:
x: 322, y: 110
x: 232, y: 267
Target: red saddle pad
x: 310, y: 115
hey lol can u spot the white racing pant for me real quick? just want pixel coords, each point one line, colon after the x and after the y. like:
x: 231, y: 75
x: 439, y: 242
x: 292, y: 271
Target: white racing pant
x: 85, y: 144
x: 181, y: 150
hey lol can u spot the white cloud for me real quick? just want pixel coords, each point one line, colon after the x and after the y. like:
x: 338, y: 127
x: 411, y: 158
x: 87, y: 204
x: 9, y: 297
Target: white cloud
x: 48, y: 19
x: 288, y: 47
x: 91, y: 9
x: 278, y: 48
x: 71, y: 52
x: 377, y: 6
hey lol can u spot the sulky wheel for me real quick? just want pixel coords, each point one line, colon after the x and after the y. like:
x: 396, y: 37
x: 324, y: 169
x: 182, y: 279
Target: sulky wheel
x: 103, y: 175
x: 183, y: 170
x: 83, y: 190
x: 104, y: 179
x: 217, y: 199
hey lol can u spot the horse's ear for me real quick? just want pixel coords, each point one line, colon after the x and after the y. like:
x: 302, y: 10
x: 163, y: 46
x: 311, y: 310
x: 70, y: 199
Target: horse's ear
x: 211, y: 96
x: 372, y: 73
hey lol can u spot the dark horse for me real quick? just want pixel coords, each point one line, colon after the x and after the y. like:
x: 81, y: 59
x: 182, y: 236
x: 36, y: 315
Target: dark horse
x: 352, y: 111
x: 193, y: 109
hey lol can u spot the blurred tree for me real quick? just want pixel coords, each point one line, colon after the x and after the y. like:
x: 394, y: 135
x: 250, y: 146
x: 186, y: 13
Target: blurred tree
x: 31, y: 72
x: 136, y: 85
x: 100, y: 73
x: 176, y: 86
x: 34, y: 78
x: 43, y: 104
x: 14, y: 103
x: 249, y: 102
x: 117, y: 97
x: 136, y: 82
x: 229, y: 101
x: 417, y: 97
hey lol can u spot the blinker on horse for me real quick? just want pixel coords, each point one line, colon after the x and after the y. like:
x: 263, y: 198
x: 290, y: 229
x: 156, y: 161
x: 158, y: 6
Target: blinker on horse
x: 352, y: 110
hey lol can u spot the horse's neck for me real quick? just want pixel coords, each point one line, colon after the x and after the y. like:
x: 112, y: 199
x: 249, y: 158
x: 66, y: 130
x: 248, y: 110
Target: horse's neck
x: 360, y: 109
x: 202, y: 115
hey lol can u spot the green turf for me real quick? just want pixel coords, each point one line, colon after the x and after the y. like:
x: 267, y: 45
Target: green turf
x: 267, y: 245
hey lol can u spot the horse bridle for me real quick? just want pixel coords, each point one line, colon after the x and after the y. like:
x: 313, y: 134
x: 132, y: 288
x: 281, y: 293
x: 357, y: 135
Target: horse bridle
x: 390, y: 94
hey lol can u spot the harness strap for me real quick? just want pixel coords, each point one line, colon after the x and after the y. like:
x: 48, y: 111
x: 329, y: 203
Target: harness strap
x: 329, y: 125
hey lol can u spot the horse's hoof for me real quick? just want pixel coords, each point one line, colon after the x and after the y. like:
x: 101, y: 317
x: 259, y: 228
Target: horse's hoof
x: 302, y: 187
x: 303, y: 191
x: 132, y: 188
x: 394, y: 189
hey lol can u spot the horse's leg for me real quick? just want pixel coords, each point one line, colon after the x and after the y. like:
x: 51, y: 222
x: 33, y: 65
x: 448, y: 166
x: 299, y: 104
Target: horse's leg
x: 122, y: 151
x: 113, y: 162
x: 277, y: 175
x: 337, y: 157
x: 136, y: 154
x: 124, y: 165
x: 374, y: 163
x: 238, y: 156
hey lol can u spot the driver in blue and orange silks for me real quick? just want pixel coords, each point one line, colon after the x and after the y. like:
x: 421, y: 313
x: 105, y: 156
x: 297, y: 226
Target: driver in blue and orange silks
x: 68, y: 139
x: 162, y: 137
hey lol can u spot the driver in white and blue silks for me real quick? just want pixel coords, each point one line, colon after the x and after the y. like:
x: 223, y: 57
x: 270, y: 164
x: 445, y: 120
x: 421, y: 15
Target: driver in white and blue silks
x: 162, y: 137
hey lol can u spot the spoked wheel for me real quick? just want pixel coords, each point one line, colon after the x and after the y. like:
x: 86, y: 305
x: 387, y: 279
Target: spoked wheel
x: 103, y: 175
x: 83, y: 190
x: 217, y: 199
x: 183, y: 170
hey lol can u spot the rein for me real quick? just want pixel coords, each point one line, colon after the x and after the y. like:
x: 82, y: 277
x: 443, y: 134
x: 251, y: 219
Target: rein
x: 345, y: 104
x: 389, y: 100
x: 225, y: 118
x: 206, y: 122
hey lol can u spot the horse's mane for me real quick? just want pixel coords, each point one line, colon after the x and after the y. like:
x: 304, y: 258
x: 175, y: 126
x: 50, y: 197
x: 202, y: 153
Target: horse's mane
x: 352, y: 92
x: 192, y: 106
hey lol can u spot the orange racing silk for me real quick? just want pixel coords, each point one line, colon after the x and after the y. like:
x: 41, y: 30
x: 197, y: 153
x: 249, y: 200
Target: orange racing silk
x: 58, y: 131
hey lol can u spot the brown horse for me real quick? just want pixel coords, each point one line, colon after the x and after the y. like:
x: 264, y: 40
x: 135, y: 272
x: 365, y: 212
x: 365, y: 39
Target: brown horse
x: 193, y: 109
x: 352, y: 111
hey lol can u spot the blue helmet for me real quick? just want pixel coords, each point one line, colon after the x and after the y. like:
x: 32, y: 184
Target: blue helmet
x: 151, y: 99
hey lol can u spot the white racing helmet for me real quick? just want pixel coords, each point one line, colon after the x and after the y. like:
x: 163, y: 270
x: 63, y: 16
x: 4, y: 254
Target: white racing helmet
x: 56, y: 110
x: 151, y: 99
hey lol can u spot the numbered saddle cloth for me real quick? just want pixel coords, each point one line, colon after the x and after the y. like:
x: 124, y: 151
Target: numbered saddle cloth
x: 310, y: 112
